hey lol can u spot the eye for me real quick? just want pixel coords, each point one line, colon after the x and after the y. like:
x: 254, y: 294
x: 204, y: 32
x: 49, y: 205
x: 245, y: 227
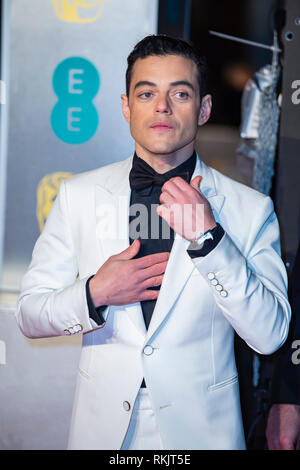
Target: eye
x: 181, y: 95
x: 146, y: 95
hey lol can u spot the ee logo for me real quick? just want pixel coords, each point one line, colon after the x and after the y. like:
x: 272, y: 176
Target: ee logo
x: 74, y: 118
x: 78, y: 11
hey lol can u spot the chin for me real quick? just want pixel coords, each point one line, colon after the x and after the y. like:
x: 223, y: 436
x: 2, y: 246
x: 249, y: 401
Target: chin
x: 162, y: 149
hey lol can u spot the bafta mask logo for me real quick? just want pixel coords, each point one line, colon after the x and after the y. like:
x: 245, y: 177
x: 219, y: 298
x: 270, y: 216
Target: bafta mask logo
x: 46, y: 193
x: 78, y: 11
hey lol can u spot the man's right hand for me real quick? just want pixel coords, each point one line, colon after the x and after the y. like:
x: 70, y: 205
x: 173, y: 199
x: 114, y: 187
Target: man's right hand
x: 123, y: 280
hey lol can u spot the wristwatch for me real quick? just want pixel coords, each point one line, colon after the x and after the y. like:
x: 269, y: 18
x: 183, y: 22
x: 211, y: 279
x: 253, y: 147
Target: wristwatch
x: 199, y: 242
x: 206, y: 242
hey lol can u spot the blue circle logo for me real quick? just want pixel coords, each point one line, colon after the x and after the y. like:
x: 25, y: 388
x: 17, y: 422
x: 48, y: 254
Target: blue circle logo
x: 74, y: 118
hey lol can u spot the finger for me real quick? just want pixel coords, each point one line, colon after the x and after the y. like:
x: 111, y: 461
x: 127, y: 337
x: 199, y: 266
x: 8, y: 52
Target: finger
x: 166, y: 198
x: 150, y: 260
x: 187, y: 190
x: 154, y: 270
x: 167, y: 213
x: 175, y: 188
x: 178, y: 181
x: 196, y: 182
x: 272, y: 439
x: 153, y: 281
x: 131, y: 251
x: 286, y: 443
x: 148, y: 294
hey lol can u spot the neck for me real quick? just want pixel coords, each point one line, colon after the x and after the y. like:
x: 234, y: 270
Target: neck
x: 162, y: 163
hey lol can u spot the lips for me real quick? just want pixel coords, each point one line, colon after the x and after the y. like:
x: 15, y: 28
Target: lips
x: 161, y: 125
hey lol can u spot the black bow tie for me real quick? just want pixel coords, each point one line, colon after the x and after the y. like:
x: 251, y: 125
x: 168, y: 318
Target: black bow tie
x: 143, y: 175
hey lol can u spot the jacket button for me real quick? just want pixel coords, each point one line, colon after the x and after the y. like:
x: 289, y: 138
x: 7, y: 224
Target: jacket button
x: 78, y: 327
x: 224, y: 293
x: 211, y: 276
x: 219, y: 287
x: 214, y: 281
x: 148, y: 350
x: 126, y: 405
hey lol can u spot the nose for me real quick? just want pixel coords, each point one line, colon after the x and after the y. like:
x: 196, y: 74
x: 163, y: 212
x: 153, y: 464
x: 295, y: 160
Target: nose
x: 163, y: 105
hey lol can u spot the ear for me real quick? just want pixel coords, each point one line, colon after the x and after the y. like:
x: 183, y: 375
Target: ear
x: 205, y: 110
x: 125, y: 107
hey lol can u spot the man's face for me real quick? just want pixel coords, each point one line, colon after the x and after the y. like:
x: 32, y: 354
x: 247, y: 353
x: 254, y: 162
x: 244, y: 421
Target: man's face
x: 163, y: 108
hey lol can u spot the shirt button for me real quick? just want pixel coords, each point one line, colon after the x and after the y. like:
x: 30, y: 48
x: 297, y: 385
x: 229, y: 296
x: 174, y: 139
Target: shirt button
x: 219, y: 287
x: 224, y: 293
x: 148, y: 350
x: 211, y: 275
x: 126, y: 405
x: 214, y: 282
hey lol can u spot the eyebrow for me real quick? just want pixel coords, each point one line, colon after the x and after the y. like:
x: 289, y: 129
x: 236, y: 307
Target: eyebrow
x: 179, y: 82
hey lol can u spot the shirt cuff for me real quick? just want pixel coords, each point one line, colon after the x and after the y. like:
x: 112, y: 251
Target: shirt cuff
x: 94, y: 312
x: 208, y: 244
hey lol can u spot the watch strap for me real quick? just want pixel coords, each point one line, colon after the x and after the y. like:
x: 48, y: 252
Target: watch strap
x: 209, y: 242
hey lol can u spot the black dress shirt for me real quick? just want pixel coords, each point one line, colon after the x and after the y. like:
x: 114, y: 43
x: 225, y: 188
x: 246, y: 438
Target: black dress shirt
x: 154, y: 233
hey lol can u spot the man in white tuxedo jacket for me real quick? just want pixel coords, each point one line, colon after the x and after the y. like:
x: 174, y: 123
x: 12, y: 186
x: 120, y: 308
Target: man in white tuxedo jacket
x: 222, y: 273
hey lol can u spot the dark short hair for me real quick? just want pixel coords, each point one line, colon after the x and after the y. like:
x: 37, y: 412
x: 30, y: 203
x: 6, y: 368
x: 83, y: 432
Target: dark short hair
x: 162, y: 45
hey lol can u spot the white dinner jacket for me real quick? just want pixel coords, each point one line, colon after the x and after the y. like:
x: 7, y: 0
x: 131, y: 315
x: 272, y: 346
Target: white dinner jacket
x: 188, y: 364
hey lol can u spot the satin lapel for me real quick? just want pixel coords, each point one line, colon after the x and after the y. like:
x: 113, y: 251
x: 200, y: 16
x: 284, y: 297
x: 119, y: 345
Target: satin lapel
x: 112, y: 224
x: 112, y: 211
x: 180, y: 266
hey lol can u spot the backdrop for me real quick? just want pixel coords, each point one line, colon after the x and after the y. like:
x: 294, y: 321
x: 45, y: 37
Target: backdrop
x: 66, y: 62
x: 67, y: 72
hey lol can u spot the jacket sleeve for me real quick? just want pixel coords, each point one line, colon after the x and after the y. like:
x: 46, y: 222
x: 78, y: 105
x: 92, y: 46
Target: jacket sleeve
x: 250, y: 288
x: 53, y: 301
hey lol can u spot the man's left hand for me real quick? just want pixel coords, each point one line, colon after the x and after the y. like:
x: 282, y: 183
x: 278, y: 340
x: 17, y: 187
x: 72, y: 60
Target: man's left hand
x: 185, y: 209
x: 283, y: 428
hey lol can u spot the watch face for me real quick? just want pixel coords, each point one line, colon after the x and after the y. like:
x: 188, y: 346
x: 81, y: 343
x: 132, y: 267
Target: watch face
x: 196, y: 245
x: 206, y: 236
x: 200, y: 245
x: 199, y: 242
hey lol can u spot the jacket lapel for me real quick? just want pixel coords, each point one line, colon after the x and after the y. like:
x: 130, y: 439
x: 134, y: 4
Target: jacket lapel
x: 112, y: 210
x: 112, y: 217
